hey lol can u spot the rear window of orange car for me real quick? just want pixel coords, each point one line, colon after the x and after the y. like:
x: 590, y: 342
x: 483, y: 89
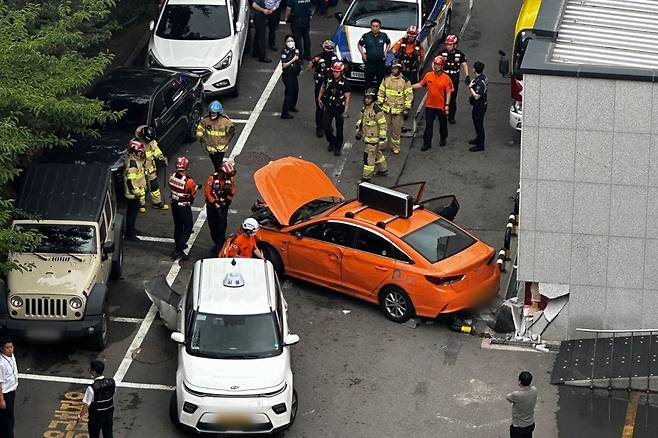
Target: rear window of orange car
x: 438, y: 240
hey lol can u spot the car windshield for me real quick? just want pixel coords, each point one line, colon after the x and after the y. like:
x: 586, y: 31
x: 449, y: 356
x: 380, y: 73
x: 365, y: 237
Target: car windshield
x: 234, y: 336
x: 71, y: 239
x: 394, y: 15
x: 194, y: 22
x: 313, y: 208
x: 438, y: 240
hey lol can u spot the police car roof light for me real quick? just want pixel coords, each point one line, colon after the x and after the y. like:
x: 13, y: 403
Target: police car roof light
x: 233, y: 279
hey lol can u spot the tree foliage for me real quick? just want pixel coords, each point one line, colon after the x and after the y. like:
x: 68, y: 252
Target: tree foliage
x: 44, y: 69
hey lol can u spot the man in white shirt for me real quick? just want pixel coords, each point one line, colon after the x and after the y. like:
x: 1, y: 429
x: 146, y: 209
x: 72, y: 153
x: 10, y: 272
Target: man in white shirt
x: 99, y: 402
x: 8, y: 385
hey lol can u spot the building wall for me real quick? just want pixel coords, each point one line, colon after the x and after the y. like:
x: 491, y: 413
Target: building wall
x: 589, y: 199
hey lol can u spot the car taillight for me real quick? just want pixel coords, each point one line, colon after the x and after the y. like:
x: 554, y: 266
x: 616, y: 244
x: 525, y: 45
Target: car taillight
x: 444, y: 281
x: 492, y: 258
x: 517, y: 90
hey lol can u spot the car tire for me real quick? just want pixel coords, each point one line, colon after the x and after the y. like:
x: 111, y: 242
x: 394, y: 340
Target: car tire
x: 98, y: 341
x: 191, y: 130
x: 272, y: 256
x: 294, y: 407
x: 235, y: 91
x: 173, y: 410
x: 117, y: 265
x: 396, y: 304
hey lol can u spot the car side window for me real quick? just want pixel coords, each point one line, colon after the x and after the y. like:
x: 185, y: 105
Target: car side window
x: 102, y: 228
x: 108, y: 207
x: 399, y: 255
x: 338, y: 233
x: 189, y: 308
x: 174, y: 91
x: 314, y: 231
x: 370, y: 242
x: 159, y: 106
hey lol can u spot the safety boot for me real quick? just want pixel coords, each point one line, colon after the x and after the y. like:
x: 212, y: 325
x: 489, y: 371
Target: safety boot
x: 142, y: 209
x: 161, y: 206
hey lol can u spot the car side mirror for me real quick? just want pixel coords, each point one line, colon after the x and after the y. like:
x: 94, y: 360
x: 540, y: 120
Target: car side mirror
x: 430, y: 24
x: 288, y: 341
x: 239, y: 26
x: 503, y: 64
x: 108, y: 248
x: 338, y: 16
x: 151, y: 25
x: 298, y: 234
x: 178, y: 337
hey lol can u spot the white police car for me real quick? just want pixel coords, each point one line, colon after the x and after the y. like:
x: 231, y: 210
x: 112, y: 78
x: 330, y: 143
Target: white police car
x: 234, y: 373
x: 432, y: 17
x: 206, y: 37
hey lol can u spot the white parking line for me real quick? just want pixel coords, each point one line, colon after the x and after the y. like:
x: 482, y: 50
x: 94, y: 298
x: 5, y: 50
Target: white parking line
x: 342, y: 160
x: 198, y: 224
x: 77, y: 381
x: 126, y: 319
x: 156, y: 239
x: 240, y: 121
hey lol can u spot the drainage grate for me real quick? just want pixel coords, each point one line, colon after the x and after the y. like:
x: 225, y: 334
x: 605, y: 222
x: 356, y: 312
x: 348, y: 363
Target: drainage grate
x: 253, y: 158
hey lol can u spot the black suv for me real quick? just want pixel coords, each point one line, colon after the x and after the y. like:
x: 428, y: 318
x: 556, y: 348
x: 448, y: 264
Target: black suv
x: 169, y: 101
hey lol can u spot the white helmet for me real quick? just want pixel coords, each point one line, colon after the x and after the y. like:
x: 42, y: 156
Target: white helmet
x: 250, y: 225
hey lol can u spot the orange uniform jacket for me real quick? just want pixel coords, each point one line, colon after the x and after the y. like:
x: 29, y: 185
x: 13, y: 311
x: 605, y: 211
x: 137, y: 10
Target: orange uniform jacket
x: 239, y: 245
x: 212, y: 195
x: 438, y: 85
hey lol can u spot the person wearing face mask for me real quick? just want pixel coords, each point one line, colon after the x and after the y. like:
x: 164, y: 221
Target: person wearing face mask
x: 439, y: 91
x: 321, y: 63
x: 215, y: 132
x: 98, y: 401
x: 291, y: 66
x: 395, y: 96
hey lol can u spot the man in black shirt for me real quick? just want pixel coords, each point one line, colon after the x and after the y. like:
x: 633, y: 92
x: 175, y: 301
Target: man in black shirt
x: 321, y: 64
x: 478, y: 98
x: 455, y: 61
x: 98, y: 401
x: 373, y: 47
x: 298, y: 13
x: 334, y: 99
x: 260, y: 14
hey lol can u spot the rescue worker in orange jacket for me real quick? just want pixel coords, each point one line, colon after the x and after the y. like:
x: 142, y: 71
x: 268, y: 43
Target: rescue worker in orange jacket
x: 183, y: 188
x: 409, y: 51
x: 219, y: 191
x: 244, y: 242
x: 146, y: 136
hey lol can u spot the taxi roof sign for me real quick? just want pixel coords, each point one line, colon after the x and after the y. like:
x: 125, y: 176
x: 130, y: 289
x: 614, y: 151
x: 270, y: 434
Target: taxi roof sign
x: 386, y: 200
x: 233, y: 279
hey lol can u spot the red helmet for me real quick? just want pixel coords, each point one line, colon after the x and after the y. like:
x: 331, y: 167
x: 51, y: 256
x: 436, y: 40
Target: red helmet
x: 439, y: 60
x: 227, y: 168
x: 412, y: 31
x: 451, y: 39
x: 338, y: 67
x: 135, y: 147
x: 182, y: 163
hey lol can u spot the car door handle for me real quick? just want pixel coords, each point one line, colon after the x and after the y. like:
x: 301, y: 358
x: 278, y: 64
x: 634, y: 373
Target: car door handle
x: 382, y: 268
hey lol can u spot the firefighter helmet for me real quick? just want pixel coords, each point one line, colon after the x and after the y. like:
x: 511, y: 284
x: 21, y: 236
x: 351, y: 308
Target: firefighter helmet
x: 412, y: 31
x: 337, y: 67
x: 439, y: 60
x: 135, y: 147
x: 182, y: 163
x: 370, y: 92
x: 215, y: 107
x: 451, y: 39
x: 396, y: 64
x: 250, y: 225
x: 328, y: 45
x: 144, y: 132
x: 227, y: 168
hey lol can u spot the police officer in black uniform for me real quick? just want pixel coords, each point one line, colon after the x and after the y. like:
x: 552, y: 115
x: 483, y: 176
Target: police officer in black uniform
x: 98, y: 401
x: 478, y: 99
x: 334, y: 99
x: 291, y: 66
x: 455, y: 61
x: 322, y: 63
x: 298, y: 14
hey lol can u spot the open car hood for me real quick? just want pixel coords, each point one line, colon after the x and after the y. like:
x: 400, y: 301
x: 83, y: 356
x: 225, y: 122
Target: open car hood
x: 289, y: 183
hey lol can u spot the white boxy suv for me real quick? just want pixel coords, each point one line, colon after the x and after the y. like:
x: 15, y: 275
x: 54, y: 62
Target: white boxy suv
x: 234, y: 373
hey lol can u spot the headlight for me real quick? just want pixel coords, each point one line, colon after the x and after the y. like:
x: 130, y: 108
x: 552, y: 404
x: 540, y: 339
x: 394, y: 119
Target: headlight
x: 152, y: 60
x: 75, y: 303
x: 225, y: 62
x: 16, y: 301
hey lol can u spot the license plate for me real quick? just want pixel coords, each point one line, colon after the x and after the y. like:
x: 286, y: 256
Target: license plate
x: 358, y: 75
x: 233, y: 420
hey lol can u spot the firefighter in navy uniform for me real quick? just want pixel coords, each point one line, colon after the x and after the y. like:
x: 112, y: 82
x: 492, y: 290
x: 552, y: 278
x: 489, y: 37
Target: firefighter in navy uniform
x: 183, y: 189
x: 321, y: 64
x: 334, y: 99
x: 98, y: 401
x: 371, y: 127
x: 409, y: 51
x: 455, y: 61
x: 219, y: 191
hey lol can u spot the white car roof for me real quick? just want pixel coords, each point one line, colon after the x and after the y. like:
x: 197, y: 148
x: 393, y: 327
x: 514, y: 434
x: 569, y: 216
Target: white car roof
x: 198, y: 2
x: 254, y: 293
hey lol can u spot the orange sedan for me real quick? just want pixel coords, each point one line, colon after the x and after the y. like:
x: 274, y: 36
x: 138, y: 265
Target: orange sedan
x: 383, y: 247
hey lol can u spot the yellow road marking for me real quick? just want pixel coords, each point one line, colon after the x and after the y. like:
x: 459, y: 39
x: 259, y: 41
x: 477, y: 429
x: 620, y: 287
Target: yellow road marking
x: 631, y: 413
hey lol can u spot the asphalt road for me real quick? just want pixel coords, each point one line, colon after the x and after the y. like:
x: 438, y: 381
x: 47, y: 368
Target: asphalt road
x: 357, y: 374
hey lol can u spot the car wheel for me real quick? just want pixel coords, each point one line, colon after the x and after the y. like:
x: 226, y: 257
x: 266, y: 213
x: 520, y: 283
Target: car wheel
x: 273, y: 257
x: 235, y: 91
x: 98, y: 341
x: 396, y: 304
x: 191, y: 130
x: 117, y: 265
x: 173, y: 409
x: 446, y: 28
x: 294, y: 407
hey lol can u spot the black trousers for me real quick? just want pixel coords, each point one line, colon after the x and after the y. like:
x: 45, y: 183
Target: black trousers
x: 216, y: 159
x: 300, y: 31
x: 132, y: 208
x: 430, y: 115
x: 272, y: 25
x: 7, y: 419
x: 453, y: 99
x: 291, y: 90
x: 100, y: 423
x: 520, y: 432
x: 478, y: 123
x: 329, y: 115
x: 182, y: 224
x: 319, y: 112
x: 374, y: 74
x: 217, y: 220
x: 321, y: 7
x: 260, y: 32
